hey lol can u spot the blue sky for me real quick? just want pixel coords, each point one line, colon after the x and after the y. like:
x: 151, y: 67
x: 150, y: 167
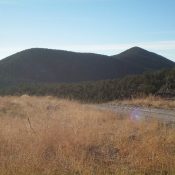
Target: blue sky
x: 100, y: 26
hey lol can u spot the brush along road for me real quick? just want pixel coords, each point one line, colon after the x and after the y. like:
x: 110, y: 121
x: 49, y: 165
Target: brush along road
x: 136, y: 112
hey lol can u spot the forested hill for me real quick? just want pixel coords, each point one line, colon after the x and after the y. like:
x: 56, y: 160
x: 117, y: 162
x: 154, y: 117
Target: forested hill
x: 56, y: 66
x: 160, y: 83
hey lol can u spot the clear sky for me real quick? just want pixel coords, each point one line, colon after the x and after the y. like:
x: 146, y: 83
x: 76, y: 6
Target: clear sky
x: 100, y: 26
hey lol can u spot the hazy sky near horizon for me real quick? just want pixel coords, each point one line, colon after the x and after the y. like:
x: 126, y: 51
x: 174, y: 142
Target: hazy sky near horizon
x: 100, y: 26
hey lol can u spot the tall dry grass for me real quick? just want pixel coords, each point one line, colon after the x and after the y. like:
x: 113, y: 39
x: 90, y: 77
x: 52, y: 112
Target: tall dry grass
x: 149, y: 101
x: 48, y: 136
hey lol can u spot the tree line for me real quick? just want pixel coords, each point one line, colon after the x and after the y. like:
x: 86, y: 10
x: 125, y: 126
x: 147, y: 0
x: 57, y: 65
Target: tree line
x: 161, y: 83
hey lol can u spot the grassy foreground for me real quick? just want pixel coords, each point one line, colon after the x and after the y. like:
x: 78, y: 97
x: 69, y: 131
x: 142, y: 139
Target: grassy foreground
x: 49, y: 136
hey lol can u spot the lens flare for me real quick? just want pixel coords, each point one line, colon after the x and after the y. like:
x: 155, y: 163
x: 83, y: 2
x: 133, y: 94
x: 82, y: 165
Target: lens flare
x: 136, y: 115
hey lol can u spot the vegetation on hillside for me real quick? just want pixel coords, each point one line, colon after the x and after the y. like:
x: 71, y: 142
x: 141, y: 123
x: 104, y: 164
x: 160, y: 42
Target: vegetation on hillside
x: 45, y: 135
x: 161, y: 83
x: 56, y: 66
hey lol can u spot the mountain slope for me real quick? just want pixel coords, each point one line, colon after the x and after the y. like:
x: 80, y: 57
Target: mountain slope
x: 143, y: 59
x: 56, y: 66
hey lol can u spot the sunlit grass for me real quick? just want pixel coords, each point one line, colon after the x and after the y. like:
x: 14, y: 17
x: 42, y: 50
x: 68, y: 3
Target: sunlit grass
x: 45, y: 135
x: 149, y: 101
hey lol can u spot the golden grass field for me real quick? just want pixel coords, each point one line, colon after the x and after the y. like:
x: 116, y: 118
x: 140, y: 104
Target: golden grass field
x: 49, y: 136
x: 149, y: 101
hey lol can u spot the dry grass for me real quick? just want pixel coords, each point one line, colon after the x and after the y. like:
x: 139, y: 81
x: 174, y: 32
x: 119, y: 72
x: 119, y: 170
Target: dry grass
x: 150, y: 101
x: 44, y: 135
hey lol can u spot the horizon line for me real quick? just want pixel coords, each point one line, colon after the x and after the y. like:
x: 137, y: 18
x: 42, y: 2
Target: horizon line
x: 162, y: 48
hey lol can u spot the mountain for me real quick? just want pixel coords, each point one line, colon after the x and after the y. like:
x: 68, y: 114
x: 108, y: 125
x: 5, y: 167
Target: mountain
x: 143, y: 59
x: 57, y: 66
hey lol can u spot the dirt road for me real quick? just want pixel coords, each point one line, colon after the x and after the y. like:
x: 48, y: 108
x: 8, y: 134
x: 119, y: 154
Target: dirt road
x: 140, y: 112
